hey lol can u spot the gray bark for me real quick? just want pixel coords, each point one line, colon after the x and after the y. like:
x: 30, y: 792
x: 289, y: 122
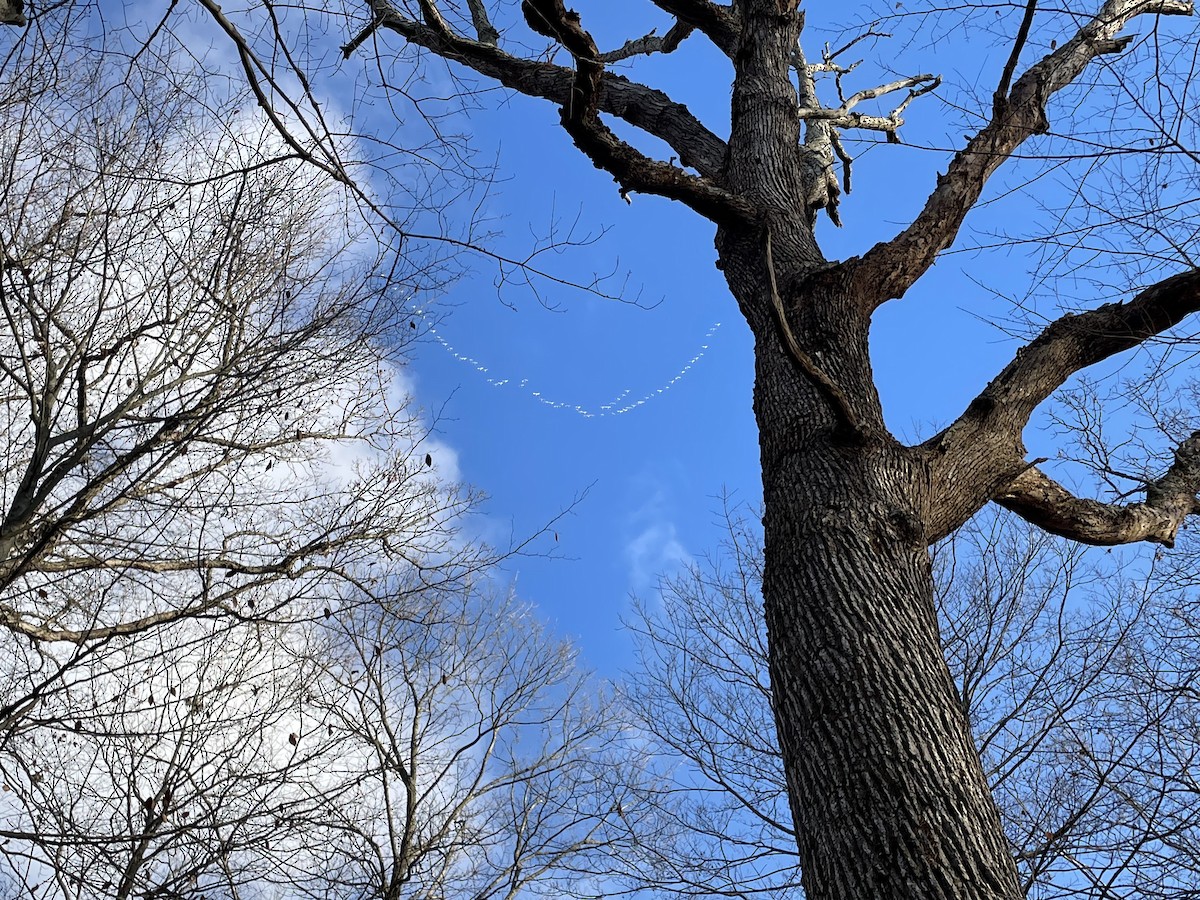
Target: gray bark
x: 887, y: 792
x: 885, y: 786
x: 12, y: 12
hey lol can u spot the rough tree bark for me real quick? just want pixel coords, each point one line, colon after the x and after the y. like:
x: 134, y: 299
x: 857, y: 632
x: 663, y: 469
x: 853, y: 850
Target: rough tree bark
x: 12, y: 12
x: 886, y: 789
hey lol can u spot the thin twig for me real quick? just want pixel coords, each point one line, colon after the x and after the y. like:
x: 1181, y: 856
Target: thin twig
x: 1010, y: 67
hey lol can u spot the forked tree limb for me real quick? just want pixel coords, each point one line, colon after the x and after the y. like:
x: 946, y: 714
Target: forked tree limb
x: 967, y: 461
x: 650, y: 43
x: 823, y: 147
x: 1039, y: 499
x: 890, y: 268
x: 642, y: 107
x: 719, y: 23
x: 1014, y: 57
x: 632, y: 169
x: 844, y: 116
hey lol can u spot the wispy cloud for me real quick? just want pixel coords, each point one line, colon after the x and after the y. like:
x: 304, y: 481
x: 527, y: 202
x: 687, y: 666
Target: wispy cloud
x: 654, y: 548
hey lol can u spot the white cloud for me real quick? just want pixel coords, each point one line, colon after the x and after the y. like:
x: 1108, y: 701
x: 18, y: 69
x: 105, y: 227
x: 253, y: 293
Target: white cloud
x: 654, y: 549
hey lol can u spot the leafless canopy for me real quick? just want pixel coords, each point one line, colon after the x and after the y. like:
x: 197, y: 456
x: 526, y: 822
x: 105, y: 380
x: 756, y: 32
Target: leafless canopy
x: 887, y: 791
x: 246, y: 647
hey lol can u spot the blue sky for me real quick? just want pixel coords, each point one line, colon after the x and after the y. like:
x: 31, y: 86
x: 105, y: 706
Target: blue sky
x: 654, y: 475
x: 666, y: 369
x: 647, y: 482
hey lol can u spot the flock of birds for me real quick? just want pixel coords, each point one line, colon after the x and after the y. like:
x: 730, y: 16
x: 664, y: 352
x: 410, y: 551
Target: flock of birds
x: 619, y: 405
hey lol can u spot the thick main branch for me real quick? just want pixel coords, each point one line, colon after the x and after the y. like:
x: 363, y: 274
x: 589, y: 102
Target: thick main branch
x: 1039, y: 499
x: 632, y: 169
x: 981, y: 453
x: 650, y: 110
x: 889, y: 269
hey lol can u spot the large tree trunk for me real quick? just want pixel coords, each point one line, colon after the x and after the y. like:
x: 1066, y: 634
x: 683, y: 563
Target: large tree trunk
x: 887, y: 791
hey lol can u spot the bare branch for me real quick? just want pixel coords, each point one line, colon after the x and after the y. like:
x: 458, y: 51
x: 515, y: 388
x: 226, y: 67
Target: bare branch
x: 823, y: 147
x: 484, y: 29
x: 256, y: 75
x: 1001, y: 96
x: 889, y: 269
x: 17, y: 624
x: 361, y: 38
x: 1074, y: 342
x: 1036, y: 497
x: 980, y: 453
x: 829, y: 55
x: 844, y: 116
x: 640, y: 106
x: 651, y: 43
x: 632, y: 170
x: 718, y: 23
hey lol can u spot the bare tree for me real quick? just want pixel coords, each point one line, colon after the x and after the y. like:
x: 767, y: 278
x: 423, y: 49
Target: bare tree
x: 887, y: 792
x: 187, y: 364
x: 160, y: 768
x: 701, y: 692
x: 469, y: 756
x: 446, y: 746
x: 1074, y: 672
x: 246, y: 649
